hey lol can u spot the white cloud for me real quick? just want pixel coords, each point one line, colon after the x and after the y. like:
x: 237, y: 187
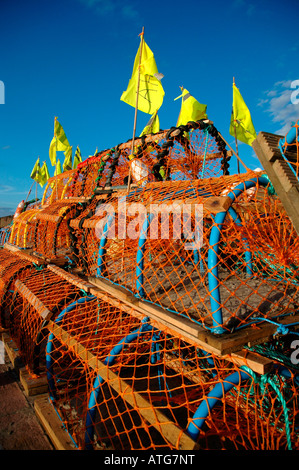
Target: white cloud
x: 5, y: 188
x: 278, y: 104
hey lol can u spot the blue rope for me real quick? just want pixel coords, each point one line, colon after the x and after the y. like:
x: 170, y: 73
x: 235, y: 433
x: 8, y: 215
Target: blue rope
x: 281, y: 329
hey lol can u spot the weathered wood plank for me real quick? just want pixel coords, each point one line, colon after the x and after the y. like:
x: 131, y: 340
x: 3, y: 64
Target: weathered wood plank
x: 284, y: 181
x: 52, y: 425
x: 33, y: 300
x: 229, y: 346
x: 71, y: 278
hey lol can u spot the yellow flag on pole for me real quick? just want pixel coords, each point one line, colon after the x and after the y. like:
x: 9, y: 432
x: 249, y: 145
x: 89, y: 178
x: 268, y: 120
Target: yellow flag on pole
x: 67, y: 164
x: 150, y: 92
x: 241, y: 125
x: 35, y: 174
x: 153, y: 125
x: 44, y: 174
x: 191, y: 109
x: 58, y: 168
x: 58, y: 143
x: 77, y: 158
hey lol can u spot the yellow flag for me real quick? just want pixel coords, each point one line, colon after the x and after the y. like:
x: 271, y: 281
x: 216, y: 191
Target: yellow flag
x: 77, y: 158
x: 241, y: 125
x: 191, y: 109
x: 58, y: 168
x: 44, y: 174
x: 152, y: 126
x: 35, y: 174
x: 150, y: 93
x: 67, y: 164
x: 58, y: 143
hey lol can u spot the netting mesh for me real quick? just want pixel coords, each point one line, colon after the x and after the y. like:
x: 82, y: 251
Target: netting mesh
x: 145, y: 332
x: 23, y: 228
x: 11, y: 267
x: 36, y: 299
x: 126, y: 384
x: 245, y: 265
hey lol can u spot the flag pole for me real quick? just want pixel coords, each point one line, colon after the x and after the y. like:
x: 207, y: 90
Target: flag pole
x: 29, y: 191
x: 238, y: 158
x: 236, y: 140
x: 55, y: 118
x: 136, y: 108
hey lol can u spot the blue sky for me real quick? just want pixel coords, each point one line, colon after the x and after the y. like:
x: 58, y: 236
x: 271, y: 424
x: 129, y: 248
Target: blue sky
x: 73, y: 59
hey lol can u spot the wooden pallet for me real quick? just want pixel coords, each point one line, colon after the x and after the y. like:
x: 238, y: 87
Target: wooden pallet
x: 283, y: 179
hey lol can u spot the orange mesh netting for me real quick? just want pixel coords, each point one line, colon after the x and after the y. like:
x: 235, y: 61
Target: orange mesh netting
x: 22, y: 232
x: 192, y: 151
x: 172, y: 324
x: 244, y: 267
x: 11, y: 267
x: 37, y: 298
x: 54, y: 220
x: 58, y: 187
x: 119, y: 382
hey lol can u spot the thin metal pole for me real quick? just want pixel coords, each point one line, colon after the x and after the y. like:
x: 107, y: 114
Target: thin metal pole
x: 29, y: 191
x: 136, y: 108
x: 236, y: 140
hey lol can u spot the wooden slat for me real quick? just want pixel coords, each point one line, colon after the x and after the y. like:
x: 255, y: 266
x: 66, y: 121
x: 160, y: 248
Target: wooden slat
x: 33, y: 385
x: 71, y: 278
x: 170, y: 319
x: 52, y: 425
x: 168, y: 429
x: 16, y: 249
x: 228, y: 343
x: 284, y: 181
x: 228, y: 346
x: 25, y: 254
x: 26, y: 293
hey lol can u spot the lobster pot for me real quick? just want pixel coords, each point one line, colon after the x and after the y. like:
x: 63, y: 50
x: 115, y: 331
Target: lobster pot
x: 120, y: 382
x: 52, y: 238
x: 185, y: 153
x: 58, y: 187
x: 99, y: 171
x: 221, y: 252
x: 23, y: 229
x: 88, y: 229
x: 4, y: 235
x: 37, y: 298
x: 11, y: 268
x: 192, y: 151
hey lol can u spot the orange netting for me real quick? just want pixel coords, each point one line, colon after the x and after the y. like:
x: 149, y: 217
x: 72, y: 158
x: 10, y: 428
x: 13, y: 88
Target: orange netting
x: 118, y: 382
x: 11, y: 267
x: 37, y: 299
x: 23, y: 229
x: 153, y: 334
x: 244, y: 267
